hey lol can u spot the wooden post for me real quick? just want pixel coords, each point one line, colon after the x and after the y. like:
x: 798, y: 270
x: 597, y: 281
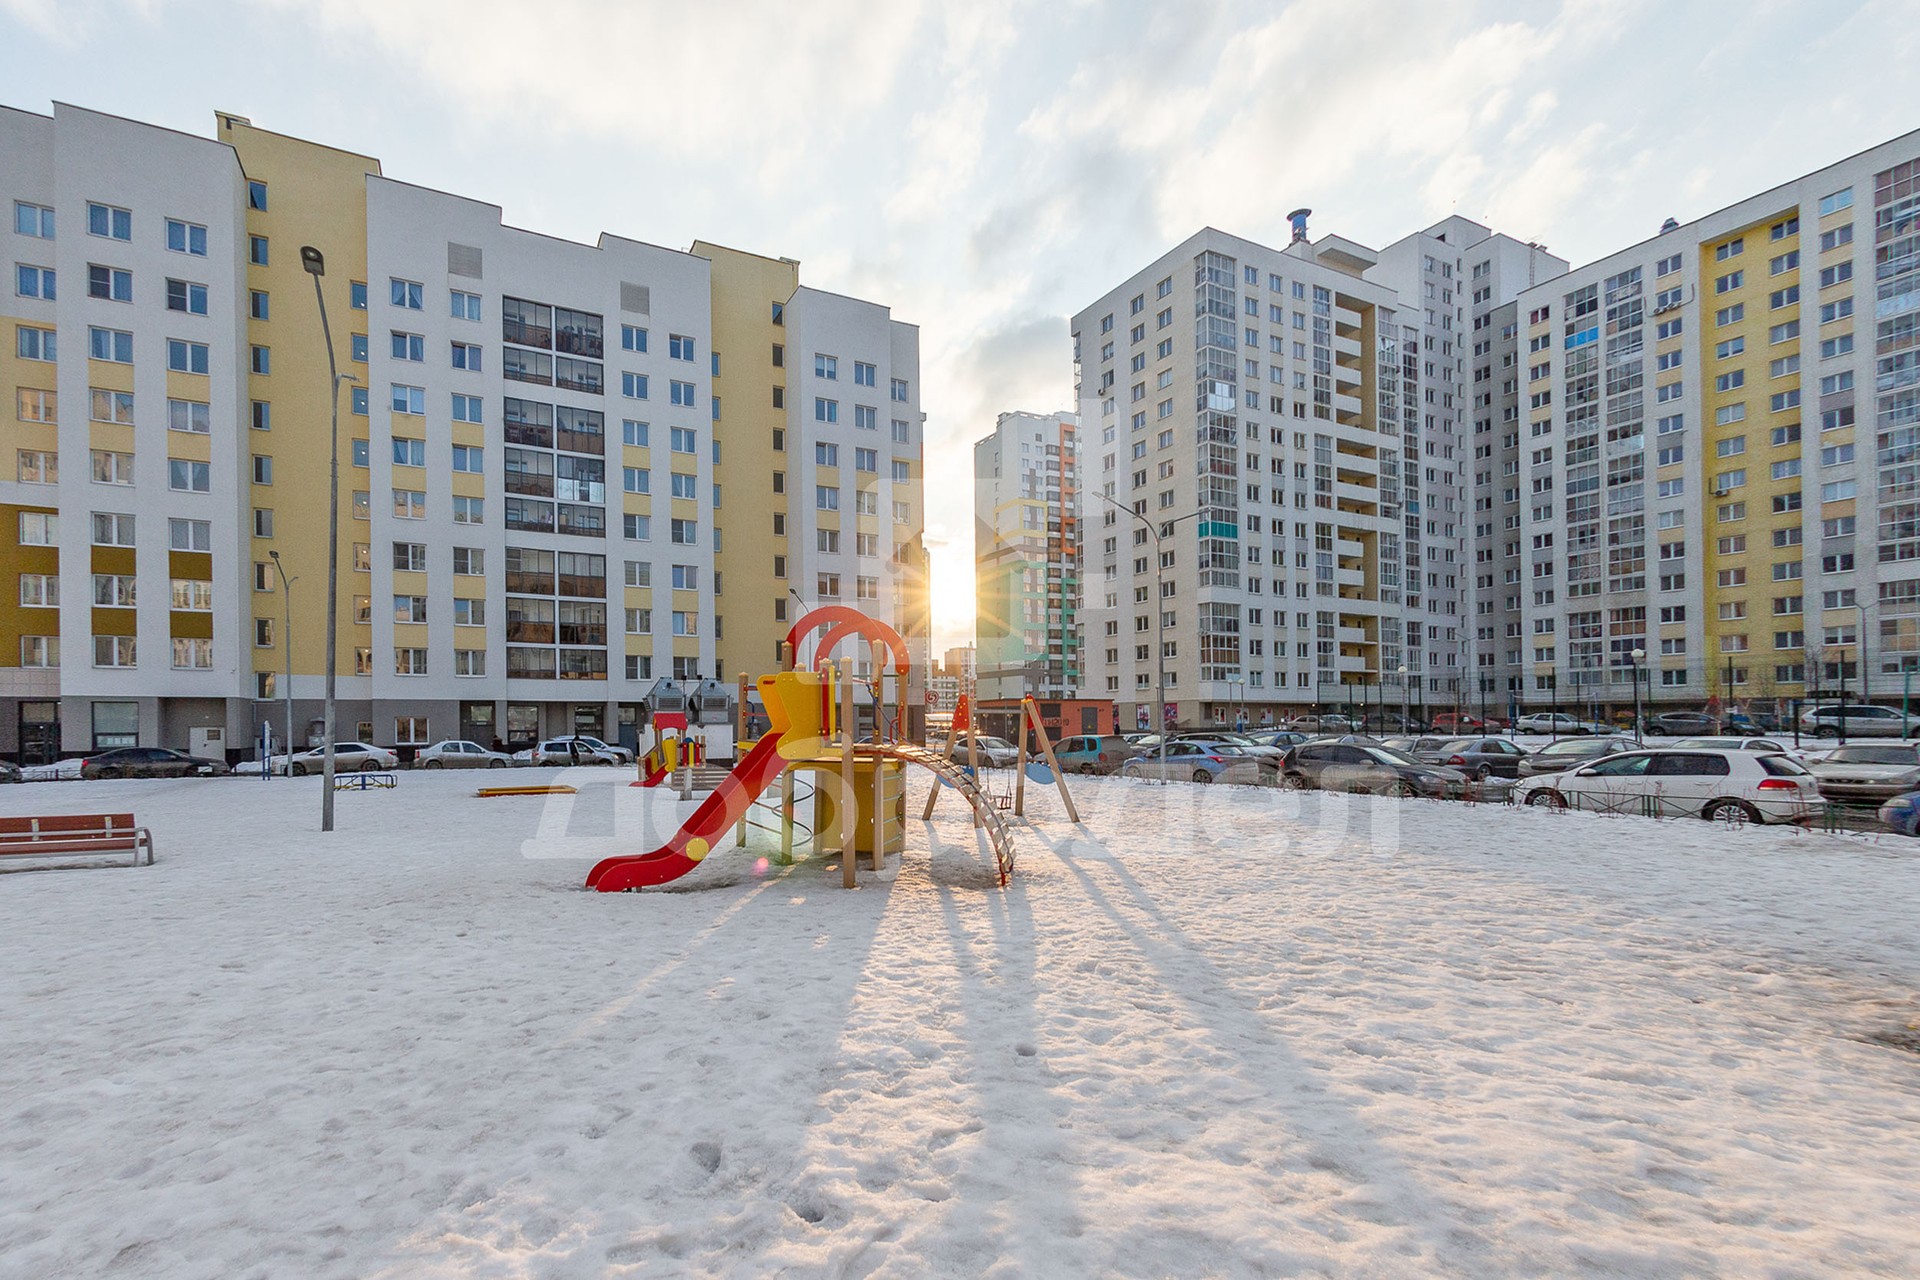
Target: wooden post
x: 1046, y: 747
x: 849, y: 804
x: 933, y: 793
x: 1020, y: 766
x: 740, y: 735
x: 879, y: 762
x: 786, y: 655
x: 786, y: 816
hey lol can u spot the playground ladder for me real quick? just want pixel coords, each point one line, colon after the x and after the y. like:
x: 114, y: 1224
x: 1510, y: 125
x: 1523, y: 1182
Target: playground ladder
x: 955, y: 776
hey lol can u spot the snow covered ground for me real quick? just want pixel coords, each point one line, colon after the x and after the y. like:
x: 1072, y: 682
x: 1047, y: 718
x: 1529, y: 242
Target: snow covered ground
x: 1211, y: 1032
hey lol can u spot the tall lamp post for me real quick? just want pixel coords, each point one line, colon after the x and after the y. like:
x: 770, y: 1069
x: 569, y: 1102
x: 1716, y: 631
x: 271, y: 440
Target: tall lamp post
x: 1406, y: 702
x: 1160, y: 617
x: 286, y: 591
x: 315, y: 264
x: 1639, y: 656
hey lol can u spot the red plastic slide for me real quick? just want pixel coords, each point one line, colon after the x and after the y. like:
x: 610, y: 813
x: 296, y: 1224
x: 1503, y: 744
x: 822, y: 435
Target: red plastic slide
x: 717, y: 815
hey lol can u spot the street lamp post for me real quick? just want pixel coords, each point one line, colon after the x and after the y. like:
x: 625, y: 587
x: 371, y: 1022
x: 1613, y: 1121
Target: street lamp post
x: 315, y: 264
x: 286, y: 590
x: 1406, y: 702
x: 1160, y: 618
x: 1639, y: 656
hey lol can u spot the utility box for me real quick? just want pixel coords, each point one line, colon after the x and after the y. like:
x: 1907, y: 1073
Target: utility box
x: 207, y: 742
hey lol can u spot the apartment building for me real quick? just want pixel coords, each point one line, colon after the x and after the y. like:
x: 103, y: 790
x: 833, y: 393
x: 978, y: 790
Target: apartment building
x: 1720, y: 448
x: 1256, y: 393
x: 1026, y: 538
x: 1460, y: 448
x: 534, y: 437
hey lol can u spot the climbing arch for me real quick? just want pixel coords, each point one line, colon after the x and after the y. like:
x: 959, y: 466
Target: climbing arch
x: 844, y: 623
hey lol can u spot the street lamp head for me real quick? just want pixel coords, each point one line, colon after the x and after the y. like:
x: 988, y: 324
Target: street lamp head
x: 312, y: 260
x: 273, y: 555
x: 1639, y: 655
x: 1403, y: 668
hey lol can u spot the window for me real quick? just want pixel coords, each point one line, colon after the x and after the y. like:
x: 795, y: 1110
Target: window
x: 826, y: 498
x: 866, y: 417
x: 408, y: 399
x: 1784, y: 228
x: 409, y: 504
x: 43, y: 344
x: 408, y: 452
x: 633, y: 338
x: 863, y: 374
x: 38, y: 466
x: 470, y: 561
x: 1729, y: 282
x: 467, y: 408
x: 262, y: 469
x: 186, y: 357
x: 633, y: 434
x: 259, y: 304
x: 411, y: 347
x: 407, y: 294
x: 680, y: 347
x: 113, y: 590
x: 110, y: 283
x: 114, y: 651
x: 633, y: 385
x: 35, y: 282
x: 899, y: 390
x: 685, y: 486
x: 683, y: 440
x: 409, y: 662
x: 826, y: 454
x: 469, y: 458
x: 184, y: 476
x: 1784, y: 263
x: 34, y: 220
x: 257, y: 250
x: 827, y: 367
x: 865, y: 460
x: 636, y: 528
x: 1834, y: 203
x: 113, y: 530
x: 261, y: 359
x: 190, y: 535
x: 1786, y: 297
x: 185, y: 295
x: 40, y: 529
x: 409, y: 608
x: 1838, y: 273
x: 39, y: 590
x: 461, y: 305
x: 112, y: 406
x: 105, y: 220
x: 410, y: 557
x: 684, y: 533
x: 681, y: 393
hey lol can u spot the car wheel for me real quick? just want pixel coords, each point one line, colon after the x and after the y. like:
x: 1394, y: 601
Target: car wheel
x: 1295, y: 782
x: 1733, y: 813
x: 1401, y: 789
x: 1548, y: 798
x: 1201, y: 775
x: 1827, y: 731
x: 1484, y: 772
x: 432, y: 764
x: 496, y: 764
x: 299, y: 771
x: 369, y: 765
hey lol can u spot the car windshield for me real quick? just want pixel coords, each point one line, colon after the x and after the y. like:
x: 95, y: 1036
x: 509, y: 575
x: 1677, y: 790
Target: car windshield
x: 1874, y: 755
x: 1392, y: 755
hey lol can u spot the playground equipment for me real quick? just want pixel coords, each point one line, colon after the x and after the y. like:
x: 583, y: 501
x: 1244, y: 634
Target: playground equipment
x: 860, y: 787
x: 548, y: 789
x: 674, y: 748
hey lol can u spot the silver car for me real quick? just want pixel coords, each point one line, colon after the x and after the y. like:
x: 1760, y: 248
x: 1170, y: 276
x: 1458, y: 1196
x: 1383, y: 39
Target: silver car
x: 458, y: 753
x: 1868, y: 773
x: 1861, y: 721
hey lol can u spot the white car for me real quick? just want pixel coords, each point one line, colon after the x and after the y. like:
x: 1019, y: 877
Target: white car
x: 620, y: 754
x: 457, y: 753
x: 567, y: 751
x: 1556, y: 722
x: 1735, y: 787
x: 997, y: 753
x: 1732, y: 742
x: 348, y: 757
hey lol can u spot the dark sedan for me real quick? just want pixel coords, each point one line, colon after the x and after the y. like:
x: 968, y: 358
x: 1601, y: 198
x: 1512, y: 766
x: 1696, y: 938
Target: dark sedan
x: 1352, y: 766
x: 150, y: 762
x: 1682, y: 724
x: 1480, y: 758
x: 1569, y: 753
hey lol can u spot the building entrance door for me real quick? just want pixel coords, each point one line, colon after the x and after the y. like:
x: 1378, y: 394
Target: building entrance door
x: 39, y: 732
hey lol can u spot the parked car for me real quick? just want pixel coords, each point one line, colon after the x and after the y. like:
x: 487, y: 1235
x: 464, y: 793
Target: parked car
x: 457, y: 753
x: 1456, y: 723
x: 1322, y: 724
x: 1682, y: 724
x: 565, y: 751
x: 1902, y: 814
x: 1741, y: 742
x: 1282, y: 738
x: 620, y: 754
x: 1232, y: 739
x: 1728, y: 786
x: 994, y: 752
x: 1352, y: 766
x: 1859, y: 722
x: 150, y: 762
x: 1482, y: 758
x: 9, y: 772
x: 348, y: 757
x: 1570, y: 753
x: 1200, y: 762
x: 1092, y: 753
x: 1868, y: 773
x: 1557, y: 723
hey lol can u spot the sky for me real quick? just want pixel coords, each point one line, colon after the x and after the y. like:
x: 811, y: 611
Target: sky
x: 987, y: 168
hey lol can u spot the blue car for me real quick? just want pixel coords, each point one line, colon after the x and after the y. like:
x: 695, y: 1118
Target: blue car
x: 1902, y: 814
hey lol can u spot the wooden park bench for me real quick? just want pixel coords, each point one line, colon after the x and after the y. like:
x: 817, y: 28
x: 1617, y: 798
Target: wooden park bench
x: 75, y: 834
